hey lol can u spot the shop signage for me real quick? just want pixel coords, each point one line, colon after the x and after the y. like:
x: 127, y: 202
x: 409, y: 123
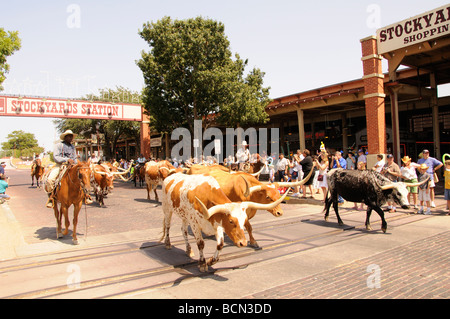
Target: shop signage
x: 424, y: 27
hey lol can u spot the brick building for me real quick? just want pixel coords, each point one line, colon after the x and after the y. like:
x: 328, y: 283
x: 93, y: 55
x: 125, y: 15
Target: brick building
x: 398, y: 111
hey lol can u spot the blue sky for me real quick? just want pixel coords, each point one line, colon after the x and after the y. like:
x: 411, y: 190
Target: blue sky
x: 73, y: 48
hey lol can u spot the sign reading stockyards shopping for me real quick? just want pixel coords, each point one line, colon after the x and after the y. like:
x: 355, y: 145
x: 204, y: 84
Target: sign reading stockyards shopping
x: 38, y: 107
x: 424, y: 27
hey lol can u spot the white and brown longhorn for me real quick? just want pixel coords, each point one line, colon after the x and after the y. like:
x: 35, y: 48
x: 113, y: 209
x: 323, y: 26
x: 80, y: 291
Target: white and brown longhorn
x: 201, y: 203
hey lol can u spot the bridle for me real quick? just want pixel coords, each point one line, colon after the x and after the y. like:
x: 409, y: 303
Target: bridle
x: 80, y: 177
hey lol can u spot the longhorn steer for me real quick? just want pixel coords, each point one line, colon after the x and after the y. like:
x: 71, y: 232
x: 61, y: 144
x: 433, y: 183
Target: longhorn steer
x: 102, y: 180
x: 368, y: 187
x: 200, y: 202
x: 154, y: 176
x: 234, y: 186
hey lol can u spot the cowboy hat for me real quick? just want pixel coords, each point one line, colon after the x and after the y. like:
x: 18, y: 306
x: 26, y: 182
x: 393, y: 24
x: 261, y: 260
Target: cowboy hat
x: 423, y: 166
x: 68, y: 132
x: 406, y: 159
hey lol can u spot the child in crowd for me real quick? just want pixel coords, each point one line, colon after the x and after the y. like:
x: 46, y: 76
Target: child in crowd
x: 361, y: 167
x: 424, y: 189
x: 271, y: 173
x: 447, y: 184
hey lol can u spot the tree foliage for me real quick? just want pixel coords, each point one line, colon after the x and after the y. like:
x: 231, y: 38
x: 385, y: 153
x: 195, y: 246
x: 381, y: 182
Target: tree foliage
x: 20, y: 143
x: 9, y: 43
x: 190, y: 73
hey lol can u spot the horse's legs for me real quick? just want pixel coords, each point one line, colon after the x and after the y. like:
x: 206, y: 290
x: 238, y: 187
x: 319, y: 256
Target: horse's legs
x: 65, y: 212
x: 76, y: 211
x: 58, y: 221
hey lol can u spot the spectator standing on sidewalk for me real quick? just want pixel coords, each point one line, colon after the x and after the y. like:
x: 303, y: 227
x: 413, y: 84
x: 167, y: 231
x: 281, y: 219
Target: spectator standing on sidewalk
x: 338, y: 162
x: 2, y: 168
x: 433, y: 165
x: 392, y: 172
x: 447, y: 184
x: 409, y: 175
x: 307, y: 165
x: 322, y: 165
x: 3, y: 186
x: 424, y: 189
x: 351, y: 161
x: 379, y: 164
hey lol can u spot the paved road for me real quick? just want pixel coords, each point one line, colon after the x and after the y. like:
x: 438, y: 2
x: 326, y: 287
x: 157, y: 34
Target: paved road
x: 301, y: 256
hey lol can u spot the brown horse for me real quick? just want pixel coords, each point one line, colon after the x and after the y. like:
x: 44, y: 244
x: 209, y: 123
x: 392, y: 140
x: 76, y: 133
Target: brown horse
x: 75, y: 183
x: 37, y: 171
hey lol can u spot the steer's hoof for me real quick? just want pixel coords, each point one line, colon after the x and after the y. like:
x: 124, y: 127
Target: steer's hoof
x: 203, y: 267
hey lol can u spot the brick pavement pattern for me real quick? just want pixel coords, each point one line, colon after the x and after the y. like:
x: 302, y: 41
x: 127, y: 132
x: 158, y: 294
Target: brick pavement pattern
x: 417, y: 270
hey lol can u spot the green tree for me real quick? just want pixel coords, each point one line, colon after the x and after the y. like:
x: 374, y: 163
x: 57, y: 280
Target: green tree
x: 190, y: 73
x: 21, y: 143
x: 9, y: 43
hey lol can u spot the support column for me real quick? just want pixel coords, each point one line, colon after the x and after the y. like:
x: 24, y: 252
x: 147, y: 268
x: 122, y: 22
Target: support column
x: 435, y: 117
x: 145, y: 135
x: 374, y: 99
x: 344, y: 133
x: 301, y: 129
x: 395, y: 124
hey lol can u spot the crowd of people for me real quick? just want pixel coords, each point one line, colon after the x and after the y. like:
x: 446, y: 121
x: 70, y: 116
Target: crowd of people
x: 422, y: 197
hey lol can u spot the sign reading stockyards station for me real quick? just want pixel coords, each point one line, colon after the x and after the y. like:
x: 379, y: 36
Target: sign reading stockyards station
x: 424, y: 27
x: 38, y: 107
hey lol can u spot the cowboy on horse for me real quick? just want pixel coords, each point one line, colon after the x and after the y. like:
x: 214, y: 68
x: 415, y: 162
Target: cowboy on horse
x: 37, y: 170
x: 63, y: 154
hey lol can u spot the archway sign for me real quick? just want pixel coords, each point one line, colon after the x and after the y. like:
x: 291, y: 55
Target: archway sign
x: 23, y: 106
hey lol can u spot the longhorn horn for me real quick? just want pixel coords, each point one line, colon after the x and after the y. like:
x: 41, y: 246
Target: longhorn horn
x: 208, y: 213
x: 122, y: 173
x: 259, y: 173
x: 268, y: 206
x: 385, y: 187
x: 247, y: 187
x: 416, y: 184
x: 293, y: 184
x: 170, y: 171
x: 101, y: 173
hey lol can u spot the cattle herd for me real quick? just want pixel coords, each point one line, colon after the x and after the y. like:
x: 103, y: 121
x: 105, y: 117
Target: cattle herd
x: 214, y: 200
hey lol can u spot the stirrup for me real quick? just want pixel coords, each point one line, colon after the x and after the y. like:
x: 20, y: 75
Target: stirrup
x: 88, y: 200
x: 50, y: 203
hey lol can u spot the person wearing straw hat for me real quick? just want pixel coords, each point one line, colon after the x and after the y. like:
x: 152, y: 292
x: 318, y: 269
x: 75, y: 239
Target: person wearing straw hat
x: 63, y: 153
x: 409, y: 175
x: 424, y: 189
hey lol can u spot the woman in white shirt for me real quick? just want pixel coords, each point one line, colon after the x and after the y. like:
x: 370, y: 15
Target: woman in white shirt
x: 296, y: 171
x: 409, y: 175
x: 323, y: 168
x: 379, y: 165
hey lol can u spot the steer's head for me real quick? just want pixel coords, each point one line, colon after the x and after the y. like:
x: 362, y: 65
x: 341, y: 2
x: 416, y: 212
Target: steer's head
x: 398, y: 192
x: 266, y: 194
x: 232, y: 217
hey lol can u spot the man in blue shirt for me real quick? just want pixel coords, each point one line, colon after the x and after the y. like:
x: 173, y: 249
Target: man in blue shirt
x: 339, y: 162
x: 433, y: 165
